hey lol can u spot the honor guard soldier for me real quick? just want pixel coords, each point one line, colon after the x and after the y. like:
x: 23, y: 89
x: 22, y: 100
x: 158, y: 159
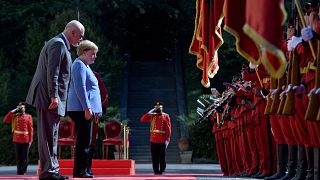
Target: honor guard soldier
x: 22, y: 129
x: 160, y: 132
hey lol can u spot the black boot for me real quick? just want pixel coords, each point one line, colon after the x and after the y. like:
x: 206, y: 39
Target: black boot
x: 282, y: 156
x: 310, y: 164
x: 316, y: 154
x: 302, y: 164
x: 292, y: 161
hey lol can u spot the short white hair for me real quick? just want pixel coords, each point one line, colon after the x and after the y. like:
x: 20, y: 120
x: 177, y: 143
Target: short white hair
x: 74, y: 24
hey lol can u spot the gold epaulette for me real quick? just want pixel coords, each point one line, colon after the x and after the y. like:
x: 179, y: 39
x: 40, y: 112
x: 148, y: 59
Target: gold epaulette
x: 309, y: 66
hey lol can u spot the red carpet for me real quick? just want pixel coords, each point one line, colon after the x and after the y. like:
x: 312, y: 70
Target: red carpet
x: 123, y: 177
x: 102, y: 167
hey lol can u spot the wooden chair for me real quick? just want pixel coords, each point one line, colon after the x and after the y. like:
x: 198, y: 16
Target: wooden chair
x: 112, y: 130
x: 66, y: 136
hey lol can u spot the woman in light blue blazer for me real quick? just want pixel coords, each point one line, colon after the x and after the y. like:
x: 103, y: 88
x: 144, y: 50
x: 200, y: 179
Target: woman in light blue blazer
x: 84, y: 106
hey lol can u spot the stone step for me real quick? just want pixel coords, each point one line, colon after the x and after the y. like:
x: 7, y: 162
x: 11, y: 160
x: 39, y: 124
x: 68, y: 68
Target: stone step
x: 146, y: 99
x: 151, y: 68
x: 150, y: 83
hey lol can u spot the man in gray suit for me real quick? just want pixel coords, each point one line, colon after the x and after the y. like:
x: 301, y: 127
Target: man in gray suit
x: 48, y: 93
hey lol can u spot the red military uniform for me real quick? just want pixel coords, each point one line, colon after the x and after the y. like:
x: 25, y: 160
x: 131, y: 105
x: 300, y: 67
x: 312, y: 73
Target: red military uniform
x: 160, y: 132
x: 160, y: 126
x: 227, y: 146
x: 234, y: 131
x: 22, y: 127
x: 246, y: 153
x: 250, y: 133
x: 260, y: 121
x: 218, y: 134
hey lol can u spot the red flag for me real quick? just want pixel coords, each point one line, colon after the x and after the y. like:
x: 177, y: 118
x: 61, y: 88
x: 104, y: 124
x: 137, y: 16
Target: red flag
x: 235, y: 18
x: 207, y: 37
x: 264, y: 20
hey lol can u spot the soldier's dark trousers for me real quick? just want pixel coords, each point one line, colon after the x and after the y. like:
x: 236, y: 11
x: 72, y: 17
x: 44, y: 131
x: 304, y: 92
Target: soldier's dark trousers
x: 22, y: 151
x: 316, y: 152
x: 158, y: 153
x: 310, y: 163
x: 292, y: 162
x: 302, y: 164
x: 282, y: 151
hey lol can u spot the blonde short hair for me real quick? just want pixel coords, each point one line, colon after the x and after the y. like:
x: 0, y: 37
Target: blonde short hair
x: 86, y: 45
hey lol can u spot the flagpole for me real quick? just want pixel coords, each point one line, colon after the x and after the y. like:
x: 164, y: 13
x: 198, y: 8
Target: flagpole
x: 304, y: 25
x: 256, y: 69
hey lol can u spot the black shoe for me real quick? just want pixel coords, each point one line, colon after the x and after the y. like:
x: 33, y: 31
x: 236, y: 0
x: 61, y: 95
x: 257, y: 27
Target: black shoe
x: 65, y: 177
x: 83, y: 175
x: 247, y: 175
x: 278, y: 175
x: 54, y: 177
x: 89, y: 171
x: 260, y: 176
x: 255, y: 175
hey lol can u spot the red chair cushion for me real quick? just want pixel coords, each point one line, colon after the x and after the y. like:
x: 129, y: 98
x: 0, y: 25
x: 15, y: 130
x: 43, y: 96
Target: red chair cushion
x: 66, y: 141
x: 112, y: 140
x: 64, y: 129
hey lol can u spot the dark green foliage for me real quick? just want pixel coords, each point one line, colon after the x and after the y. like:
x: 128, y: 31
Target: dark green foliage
x: 202, y: 141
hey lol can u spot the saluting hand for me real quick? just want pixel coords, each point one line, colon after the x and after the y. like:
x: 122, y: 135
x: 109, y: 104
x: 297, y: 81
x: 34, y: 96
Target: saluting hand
x: 151, y: 111
x: 14, y: 110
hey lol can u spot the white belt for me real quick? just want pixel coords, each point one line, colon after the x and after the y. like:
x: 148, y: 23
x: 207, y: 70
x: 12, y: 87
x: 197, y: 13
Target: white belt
x: 158, y: 131
x: 21, y: 132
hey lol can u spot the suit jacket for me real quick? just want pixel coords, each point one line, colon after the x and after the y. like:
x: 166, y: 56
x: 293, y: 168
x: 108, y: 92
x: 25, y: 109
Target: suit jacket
x: 84, y: 89
x: 52, y: 76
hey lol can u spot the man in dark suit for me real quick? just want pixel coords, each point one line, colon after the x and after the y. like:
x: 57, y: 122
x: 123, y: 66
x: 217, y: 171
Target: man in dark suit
x: 48, y: 93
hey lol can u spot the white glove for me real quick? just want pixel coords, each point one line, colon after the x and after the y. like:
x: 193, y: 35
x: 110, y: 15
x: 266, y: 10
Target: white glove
x: 273, y: 91
x: 151, y: 111
x: 14, y: 110
x: 281, y: 94
x: 306, y: 33
x: 288, y: 88
x: 293, y: 42
x: 166, y: 143
x: 299, y: 89
x: 253, y: 66
x: 312, y: 91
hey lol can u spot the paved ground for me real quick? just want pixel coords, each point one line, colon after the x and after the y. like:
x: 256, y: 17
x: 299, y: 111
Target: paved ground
x: 143, y: 172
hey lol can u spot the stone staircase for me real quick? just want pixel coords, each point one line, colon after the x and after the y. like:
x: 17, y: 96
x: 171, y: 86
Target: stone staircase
x: 147, y: 82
